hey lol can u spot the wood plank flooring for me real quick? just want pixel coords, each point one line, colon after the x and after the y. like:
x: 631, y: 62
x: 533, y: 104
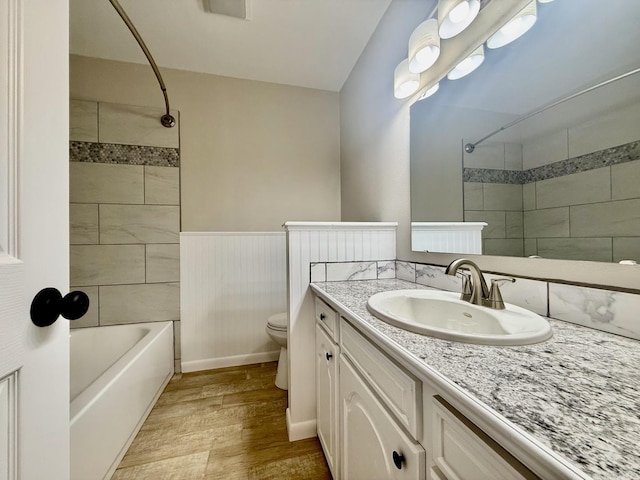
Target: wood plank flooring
x: 221, y: 424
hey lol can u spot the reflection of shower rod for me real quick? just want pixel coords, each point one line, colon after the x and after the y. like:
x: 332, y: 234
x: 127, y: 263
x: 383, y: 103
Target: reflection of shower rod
x: 167, y: 119
x: 470, y: 147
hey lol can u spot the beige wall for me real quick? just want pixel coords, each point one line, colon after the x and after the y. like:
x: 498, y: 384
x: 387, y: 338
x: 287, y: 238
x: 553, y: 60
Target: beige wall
x: 253, y: 154
x: 375, y: 157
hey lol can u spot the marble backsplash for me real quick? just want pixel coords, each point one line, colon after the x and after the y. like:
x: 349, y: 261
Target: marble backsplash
x: 605, y: 310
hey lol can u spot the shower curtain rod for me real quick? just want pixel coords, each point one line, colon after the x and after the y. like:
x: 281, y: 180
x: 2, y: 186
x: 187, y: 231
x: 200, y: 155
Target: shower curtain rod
x: 470, y: 147
x: 167, y: 119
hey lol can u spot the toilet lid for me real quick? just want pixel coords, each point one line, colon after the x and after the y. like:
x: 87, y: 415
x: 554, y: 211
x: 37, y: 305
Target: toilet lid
x: 278, y: 322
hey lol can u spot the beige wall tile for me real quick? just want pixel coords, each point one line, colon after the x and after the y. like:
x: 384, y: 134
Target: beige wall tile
x: 106, y: 264
x: 545, y: 150
x: 610, y: 219
x: 473, y: 196
x: 163, y: 263
x: 139, y: 224
x: 592, y: 186
x: 529, y: 196
x: 513, y: 156
x: 509, y: 247
x: 135, y: 126
x: 89, y: 319
x: 605, y: 131
x: 501, y: 196
x: 162, y: 185
x: 487, y: 155
x: 496, y: 223
x: 83, y: 220
x: 514, y: 224
x: 105, y: 183
x: 530, y: 247
x: 551, y: 222
x: 593, y: 249
x: 139, y: 303
x: 83, y: 121
x: 626, y: 248
x: 625, y: 180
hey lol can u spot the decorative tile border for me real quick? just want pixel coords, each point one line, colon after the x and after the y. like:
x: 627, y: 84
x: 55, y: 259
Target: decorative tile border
x: 605, y: 310
x: 123, y: 154
x: 602, y: 158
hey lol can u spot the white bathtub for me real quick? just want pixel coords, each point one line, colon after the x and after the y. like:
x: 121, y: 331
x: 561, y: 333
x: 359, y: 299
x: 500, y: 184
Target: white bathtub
x: 117, y: 374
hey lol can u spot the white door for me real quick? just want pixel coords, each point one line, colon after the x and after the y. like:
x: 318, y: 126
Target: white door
x: 34, y: 123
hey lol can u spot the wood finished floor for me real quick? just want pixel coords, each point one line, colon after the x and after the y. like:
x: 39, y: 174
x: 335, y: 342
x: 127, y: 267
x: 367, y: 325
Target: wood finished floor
x: 221, y: 424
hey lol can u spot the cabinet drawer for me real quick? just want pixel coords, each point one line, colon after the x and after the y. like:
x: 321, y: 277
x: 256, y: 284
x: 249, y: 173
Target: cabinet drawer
x: 327, y: 317
x: 400, y: 391
x: 461, y: 451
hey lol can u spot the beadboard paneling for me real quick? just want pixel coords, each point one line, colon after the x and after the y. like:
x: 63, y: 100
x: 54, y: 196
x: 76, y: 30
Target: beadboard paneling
x: 230, y: 284
x: 309, y: 242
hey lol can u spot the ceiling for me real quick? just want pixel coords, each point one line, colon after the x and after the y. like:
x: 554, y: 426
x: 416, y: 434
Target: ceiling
x: 307, y: 43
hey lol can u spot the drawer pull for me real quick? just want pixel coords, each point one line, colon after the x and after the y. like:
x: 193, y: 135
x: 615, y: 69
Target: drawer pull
x: 322, y: 316
x: 398, y: 460
x: 329, y: 356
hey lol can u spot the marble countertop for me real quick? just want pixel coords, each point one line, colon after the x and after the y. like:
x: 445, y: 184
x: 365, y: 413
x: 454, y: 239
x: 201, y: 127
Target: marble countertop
x: 577, y: 394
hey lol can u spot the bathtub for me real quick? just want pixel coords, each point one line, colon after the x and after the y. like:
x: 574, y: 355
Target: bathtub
x: 117, y: 374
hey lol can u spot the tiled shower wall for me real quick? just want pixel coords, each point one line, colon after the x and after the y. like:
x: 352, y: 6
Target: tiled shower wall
x: 125, y: 215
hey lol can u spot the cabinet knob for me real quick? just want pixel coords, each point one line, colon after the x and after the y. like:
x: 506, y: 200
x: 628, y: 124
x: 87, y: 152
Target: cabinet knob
x: 322, y: 316
x: 398, y: 460
x: 329, y: 356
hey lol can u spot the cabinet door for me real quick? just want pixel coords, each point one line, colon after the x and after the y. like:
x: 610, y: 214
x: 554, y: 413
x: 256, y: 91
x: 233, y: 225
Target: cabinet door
x: 327, y: 397
x: 374, y: 447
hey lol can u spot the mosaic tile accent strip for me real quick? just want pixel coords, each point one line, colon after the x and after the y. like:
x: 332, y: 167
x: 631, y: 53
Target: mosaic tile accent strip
x: 123, y: 154
x: 488, y: 175
x: 590, y: 161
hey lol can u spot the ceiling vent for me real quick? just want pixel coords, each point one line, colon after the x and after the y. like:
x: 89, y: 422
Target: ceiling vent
x: 230, y: 8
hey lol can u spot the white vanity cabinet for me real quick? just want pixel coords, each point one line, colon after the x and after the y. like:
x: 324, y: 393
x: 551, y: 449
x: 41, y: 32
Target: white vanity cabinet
x: 327, y: 355
x: 378, y: 421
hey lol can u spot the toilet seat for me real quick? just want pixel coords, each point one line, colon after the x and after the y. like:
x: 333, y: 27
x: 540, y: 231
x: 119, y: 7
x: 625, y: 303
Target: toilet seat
x: 278, y: 322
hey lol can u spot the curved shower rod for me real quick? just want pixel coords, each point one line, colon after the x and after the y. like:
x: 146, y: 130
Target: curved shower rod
x: 470, y: 147
x: 167, y: 120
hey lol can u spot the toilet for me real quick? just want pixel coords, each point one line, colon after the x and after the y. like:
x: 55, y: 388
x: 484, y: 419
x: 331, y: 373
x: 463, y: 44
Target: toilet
x: 277, y: 330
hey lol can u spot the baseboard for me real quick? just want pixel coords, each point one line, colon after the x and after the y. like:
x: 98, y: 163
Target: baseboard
x: 233, y: 361
x: 300, y: 430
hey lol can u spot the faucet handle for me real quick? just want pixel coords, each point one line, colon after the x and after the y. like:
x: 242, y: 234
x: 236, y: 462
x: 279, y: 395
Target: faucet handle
x: 495, y: 297
x: 466, y: 286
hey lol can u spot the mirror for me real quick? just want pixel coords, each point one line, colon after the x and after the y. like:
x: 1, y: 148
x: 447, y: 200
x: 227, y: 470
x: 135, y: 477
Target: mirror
x: 564, y: 183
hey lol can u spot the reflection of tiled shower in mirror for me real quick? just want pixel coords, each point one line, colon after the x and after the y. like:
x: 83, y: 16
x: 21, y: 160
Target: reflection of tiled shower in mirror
x: 573, y: 193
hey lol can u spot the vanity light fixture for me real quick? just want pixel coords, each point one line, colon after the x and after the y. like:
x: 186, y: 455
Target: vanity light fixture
x: 545, y: 1
x: 456, y: 15
x: 424, y: 46
x: 405, y: 83
x: 514, y: 28
x: 427, y: 92
x: 468, y: 65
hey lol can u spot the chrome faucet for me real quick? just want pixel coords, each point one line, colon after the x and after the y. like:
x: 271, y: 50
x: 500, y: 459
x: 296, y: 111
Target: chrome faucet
x: 474, y: 288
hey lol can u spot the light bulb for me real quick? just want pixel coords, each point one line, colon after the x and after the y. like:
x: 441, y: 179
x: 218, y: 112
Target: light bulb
x: 459, y: 12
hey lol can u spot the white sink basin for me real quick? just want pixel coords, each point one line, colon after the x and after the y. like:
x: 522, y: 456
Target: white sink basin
x: 444, y: 315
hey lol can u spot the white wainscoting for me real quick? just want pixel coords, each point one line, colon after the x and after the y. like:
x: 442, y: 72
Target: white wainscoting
x: 230, y: 284
x: 309, y: 242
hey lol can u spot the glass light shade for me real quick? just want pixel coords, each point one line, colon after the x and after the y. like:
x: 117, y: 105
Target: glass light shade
x: 405, y: 83
x: 468, y: 65
x: 456, y: 15
x: 424, y: 46
x: 545, y: 1
x: 429, y: 91
x: 514, y: 28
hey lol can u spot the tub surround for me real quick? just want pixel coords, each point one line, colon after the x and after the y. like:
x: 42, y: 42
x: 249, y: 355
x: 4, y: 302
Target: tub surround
x: 570, y: 403
x: 125, y: 214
